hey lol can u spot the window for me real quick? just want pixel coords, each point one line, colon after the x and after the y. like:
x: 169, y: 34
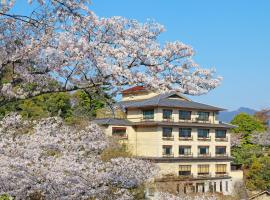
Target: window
x: 220, y: 133
x: 167, y: 114
x: 148, y: 114
x: 184, y: 115
x: 220, y: 186
x: 184, y: 170
x: 221, y: 168
x: 203, y: 133
x: 167, y: 150
x: 203, y: 150
x: 184, y: 150
x: 221, y: 150
x: 166, y: 132
x: 203, y: 116
x: 227, y: 186
x: 215, y: 186
x: 119, y: 132
x: 203, y: 169
x: 185, y: 132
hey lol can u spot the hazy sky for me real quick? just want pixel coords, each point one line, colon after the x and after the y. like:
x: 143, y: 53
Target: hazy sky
x: 232, y: 36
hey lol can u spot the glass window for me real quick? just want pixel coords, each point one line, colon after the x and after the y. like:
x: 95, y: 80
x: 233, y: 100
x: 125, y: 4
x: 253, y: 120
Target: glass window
x: 203, y: 133
x: 220, y: 186
x: 119, y: 131
x: 166, y: 132
x: 167, y: 150
x: 221, y: 150
x: 221, y: 168
x: 167, y: 114
x: 148, y: 114
x: 227, y: 186
x: 203, y: 116
x: 184, y: 170
x: 203, y: 150
x: 220, y: 133
x: 184, y: 115
x: 184, y: 132
x: 184, y: 150
x: 203, y: 169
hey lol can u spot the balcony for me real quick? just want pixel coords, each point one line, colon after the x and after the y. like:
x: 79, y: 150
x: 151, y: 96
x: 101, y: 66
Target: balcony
x: 202, y: 120
x: 205, y: 155
x: 186, y: 138
x: 222, y: 139
x: 204, y: 175
x: 186, y: 176
x: 186, y: 155
x: 169, y: 119
x: 166, y: 155
x: 169, y: 138
x: 148, y: 119
x: 204, y: 138
x: 222, y: 155
x: 221, y: 174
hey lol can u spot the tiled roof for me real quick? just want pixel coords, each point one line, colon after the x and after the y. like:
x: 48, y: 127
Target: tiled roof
x: 163, y: 100
x: 112, y: 121
x: 134, y: 89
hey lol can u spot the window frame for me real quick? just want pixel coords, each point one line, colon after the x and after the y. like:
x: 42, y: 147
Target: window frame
x: 184, y: 118
x: 150, y: 116
x: 164, y: 116
x: 203, y: 117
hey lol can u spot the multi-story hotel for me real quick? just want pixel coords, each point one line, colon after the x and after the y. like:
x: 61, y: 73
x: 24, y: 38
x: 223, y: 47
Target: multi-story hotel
x: 185, y: 138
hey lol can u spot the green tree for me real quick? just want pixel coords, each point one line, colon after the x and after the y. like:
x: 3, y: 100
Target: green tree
x: 246, y: 125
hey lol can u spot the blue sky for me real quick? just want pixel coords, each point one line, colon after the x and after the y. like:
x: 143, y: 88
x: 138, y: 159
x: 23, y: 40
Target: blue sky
x: 232, y: 36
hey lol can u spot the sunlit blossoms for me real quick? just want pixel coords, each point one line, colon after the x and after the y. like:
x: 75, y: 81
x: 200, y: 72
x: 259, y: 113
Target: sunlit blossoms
x: 65, y: 46
x: 262, y: 139
x: 55, y: 161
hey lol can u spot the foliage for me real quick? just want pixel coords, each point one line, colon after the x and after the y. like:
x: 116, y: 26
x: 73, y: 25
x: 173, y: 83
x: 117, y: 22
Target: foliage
x: 258, y: 175
x: 66, y: 43
x: 56, y: 161
x: 246, y: 125
x: 5, y: 197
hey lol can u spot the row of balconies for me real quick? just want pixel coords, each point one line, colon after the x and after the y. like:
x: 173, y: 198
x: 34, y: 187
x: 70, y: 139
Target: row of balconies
x: 191, y: 155
x: 198, y: 139
x: 192, y: 120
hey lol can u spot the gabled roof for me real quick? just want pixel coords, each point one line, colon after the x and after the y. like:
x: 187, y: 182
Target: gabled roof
x: 164, y: 100
x: 133, y: 89
x: 260, y: 194
x: 112, y: 121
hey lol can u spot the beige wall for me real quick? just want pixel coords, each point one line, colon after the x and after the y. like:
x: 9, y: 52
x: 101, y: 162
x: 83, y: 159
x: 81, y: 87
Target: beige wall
x: 138, y: 96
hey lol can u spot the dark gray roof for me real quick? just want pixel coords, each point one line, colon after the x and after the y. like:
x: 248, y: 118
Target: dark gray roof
x: 125, y: 122
x: 112, y: 121
x: 163, y: 100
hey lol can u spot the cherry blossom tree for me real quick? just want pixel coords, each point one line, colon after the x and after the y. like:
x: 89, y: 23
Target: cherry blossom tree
x: 55, y: 161
x: 262, y: 139
x: 63, y: 46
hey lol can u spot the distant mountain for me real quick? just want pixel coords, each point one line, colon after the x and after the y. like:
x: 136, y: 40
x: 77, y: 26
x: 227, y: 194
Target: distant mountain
x: 227, y: 116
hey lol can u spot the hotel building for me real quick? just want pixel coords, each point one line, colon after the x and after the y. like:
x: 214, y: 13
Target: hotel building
x: 184, y: 138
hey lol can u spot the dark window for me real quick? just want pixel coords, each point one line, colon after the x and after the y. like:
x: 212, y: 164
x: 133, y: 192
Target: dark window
x: 215, y: 186
x: 167, y: 150
x: 184, y: 115
x: 184, y: 150
x: 220, y: 133
x: 203, y: 150
x: 166, y: 132
x: 227, y: 186
x: 203, y: 116
x: 184, y: 170
x: 148, y: 114
x: 119, y: 131
x: 184, y: 132
x: 167, y: 114
x: 221, y: 150
x: 220, y: 186
x: 203, y: 133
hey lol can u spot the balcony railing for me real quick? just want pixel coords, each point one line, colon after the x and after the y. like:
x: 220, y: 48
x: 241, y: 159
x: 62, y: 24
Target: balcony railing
x: 121, y: 137
x: 205, y: 155
x: 222, y: 174
x: 188, y: 176
x: 222, y: 155
x: 147, y: 119
x: 168, y: 119
x: 223, y: 139
x: 204, y: 138
x: 186, y: 138
x: 165, y: 155
x: 204, y: 175
x: 168, y: 138
x: 202, y: 120
x: 186, y: 155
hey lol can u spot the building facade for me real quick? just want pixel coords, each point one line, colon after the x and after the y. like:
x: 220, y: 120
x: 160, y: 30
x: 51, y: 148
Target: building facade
x: 184, y: 138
